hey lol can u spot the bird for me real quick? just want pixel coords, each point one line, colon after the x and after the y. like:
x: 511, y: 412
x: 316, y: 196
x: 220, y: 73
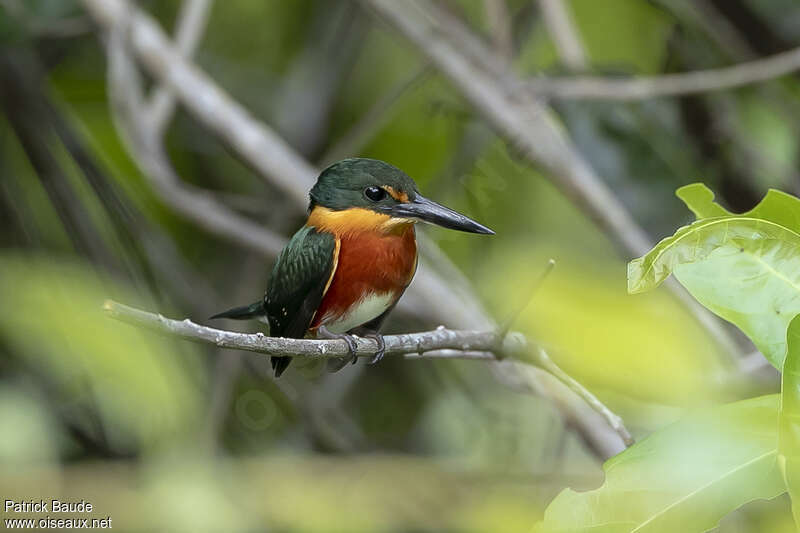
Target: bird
x: 343, y: 272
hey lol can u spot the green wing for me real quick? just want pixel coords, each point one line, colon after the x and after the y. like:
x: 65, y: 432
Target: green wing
x: 296, y: 286
x: 298, y: 281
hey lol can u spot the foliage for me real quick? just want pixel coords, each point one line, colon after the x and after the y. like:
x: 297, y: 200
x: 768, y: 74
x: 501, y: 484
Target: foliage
x: 745, y: 268
x: 690, y: 475
x: 682, y: 478
x: 144, y: 388
x: 789, y: 435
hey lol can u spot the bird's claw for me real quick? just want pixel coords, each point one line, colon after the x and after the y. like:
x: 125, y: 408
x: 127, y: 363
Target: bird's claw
x: 378, y: 338
x: 352, y: 344
x: 352, y: 347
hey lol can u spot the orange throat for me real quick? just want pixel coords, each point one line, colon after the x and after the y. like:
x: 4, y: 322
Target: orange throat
x: 357, y: 220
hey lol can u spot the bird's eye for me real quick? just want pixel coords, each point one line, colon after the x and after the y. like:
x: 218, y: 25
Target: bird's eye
x: 376, y: 194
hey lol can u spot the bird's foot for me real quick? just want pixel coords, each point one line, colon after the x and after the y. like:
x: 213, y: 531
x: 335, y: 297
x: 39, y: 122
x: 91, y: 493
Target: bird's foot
x: 352, y: 346
x: 378, y: 338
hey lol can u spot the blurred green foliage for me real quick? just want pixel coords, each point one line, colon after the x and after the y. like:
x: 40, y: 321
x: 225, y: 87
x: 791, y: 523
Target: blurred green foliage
x: 789, y: 434
x: 685, y: 477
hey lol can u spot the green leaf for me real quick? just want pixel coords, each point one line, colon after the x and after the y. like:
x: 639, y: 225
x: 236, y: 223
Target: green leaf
x: 745, y: 268
x: 789, y: 434
x: 685, y: 477
x: 700, y: 199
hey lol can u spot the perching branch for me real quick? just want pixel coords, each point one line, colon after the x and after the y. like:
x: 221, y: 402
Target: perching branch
x: 643, y: 88
x: 440, y: 343
x: 499, y: 21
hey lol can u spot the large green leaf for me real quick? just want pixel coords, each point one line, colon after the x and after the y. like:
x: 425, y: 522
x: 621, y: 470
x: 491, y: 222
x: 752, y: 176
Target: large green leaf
x: 745, y: 268
x: 685, y: 477
x: 789, y: 434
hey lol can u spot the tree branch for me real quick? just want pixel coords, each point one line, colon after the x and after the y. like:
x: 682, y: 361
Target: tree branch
x: 643, y: 88
x: 192, y: 21
x: 262, y: 148
x: 564, y: 34
x: 128, y: 109
x: 499, y: 20
x: 440, y: 343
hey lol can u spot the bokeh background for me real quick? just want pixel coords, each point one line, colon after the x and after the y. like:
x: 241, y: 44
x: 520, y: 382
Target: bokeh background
x: 163, y: 434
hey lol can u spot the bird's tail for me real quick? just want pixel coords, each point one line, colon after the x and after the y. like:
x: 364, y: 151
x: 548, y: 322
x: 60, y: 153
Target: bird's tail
x: 279, y: 364
x: 244, y: 312
x: 255, y: 310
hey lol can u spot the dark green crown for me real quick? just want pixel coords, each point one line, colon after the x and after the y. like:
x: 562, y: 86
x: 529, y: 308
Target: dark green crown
x: 352, y: 183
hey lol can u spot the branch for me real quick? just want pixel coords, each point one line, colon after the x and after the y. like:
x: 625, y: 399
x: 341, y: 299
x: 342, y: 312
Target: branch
x: 260, y: 147
x: 499, y: 21
x: 128, y: 110
x: 440, y: 343
x: 564, y: 34
x: 642, y: 88
x: 192, y: 21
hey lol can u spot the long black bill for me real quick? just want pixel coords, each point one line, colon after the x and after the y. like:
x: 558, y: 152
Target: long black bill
x: 429, y: 211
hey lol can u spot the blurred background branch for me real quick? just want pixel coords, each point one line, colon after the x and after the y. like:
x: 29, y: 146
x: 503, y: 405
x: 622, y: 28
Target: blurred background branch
x: 565, y: 35
x: 598, y: 88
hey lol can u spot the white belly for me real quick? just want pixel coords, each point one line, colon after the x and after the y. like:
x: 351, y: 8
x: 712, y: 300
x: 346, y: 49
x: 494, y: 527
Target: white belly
x: 369, y: 307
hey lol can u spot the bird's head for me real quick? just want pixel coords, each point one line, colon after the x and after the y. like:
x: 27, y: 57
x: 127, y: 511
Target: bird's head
x: 380, y: 195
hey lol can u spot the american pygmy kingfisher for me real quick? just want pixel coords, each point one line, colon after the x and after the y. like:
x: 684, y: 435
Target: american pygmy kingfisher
x: 343, y: 272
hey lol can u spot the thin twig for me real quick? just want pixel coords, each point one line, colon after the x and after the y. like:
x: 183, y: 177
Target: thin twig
x: 506, y: 326
x: 499, y: 20
x: 564, y: 34
x: 192, y: 21
x: 440, y: 343
x: 647, y: 87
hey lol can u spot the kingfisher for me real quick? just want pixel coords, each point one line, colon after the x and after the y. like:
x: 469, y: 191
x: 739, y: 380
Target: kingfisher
x: 343, y: 272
